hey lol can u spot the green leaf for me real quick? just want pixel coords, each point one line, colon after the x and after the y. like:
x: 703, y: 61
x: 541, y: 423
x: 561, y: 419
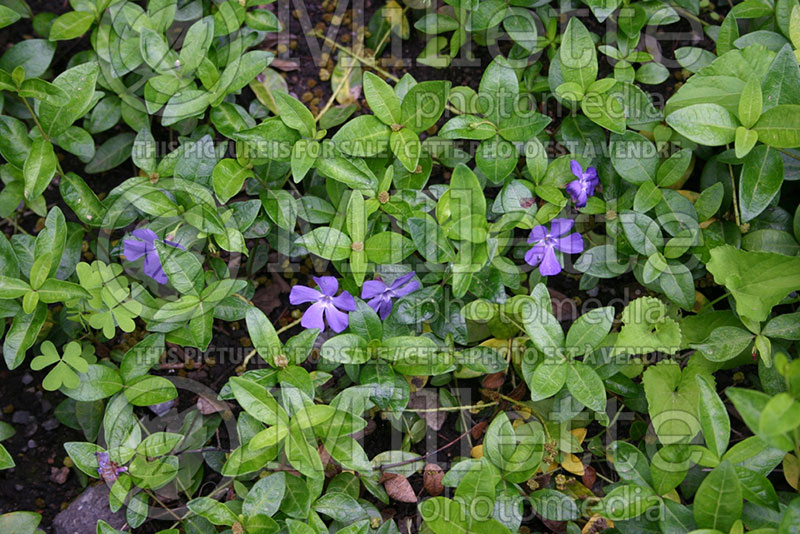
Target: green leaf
x: 750, y: 103
x: 34, y: 55
x: 627, y: 501
x: 263, y: 335
x: 213, y: 510
x: 406, y: 146
x: 673, y: 169
x: 586, y: 386
x: 706, y: 124
x: 294, y: 114
x: 7, y: 17
x: 714, y: 420
x: 554, y: 505
x: 669, y: 404
x: 634, y: 157
x: 718, y: 501
x: 577, y: 55
x: 14, y: 141
x: 79, y: 83
x: 725, y: 343
x: 196, y: 44
x: 39, y: 168
x: 257, y: 401
x: 266, y: 495
x: 159, y: 444
x: 22, y: 335
x: 642, y: 232
x: 98, y: 383
x: 496, y: 158
x: 548, y: 379
x: 388, y: 248
x: 605, y: 110
x: 543, y: 329
x: 183, y: 269
x: 228, y: 178
x: 381, y: 99
x: 363, y: 136
x: 779, y: 127
x: 112, y: 153
x: 760, y: 181
x: 328, y: 243
x: 589, y: 330
x: 424, y: 104
x: 757, y: 280
x: 781, y: 415
x: 71, y: 25
x: 148, y: 390
x: 430, y: 240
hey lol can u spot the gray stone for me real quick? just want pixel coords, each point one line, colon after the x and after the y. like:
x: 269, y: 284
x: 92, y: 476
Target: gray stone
x: 50, y: 424
x: 21, y: 417
x: 82, y: 514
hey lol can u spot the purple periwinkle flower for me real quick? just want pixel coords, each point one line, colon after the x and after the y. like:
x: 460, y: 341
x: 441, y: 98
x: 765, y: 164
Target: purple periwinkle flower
x: 546, y: 243
x: 582, y: 188
x: 144, y: 245
x: 107, y: 469
x: 381, y: 295
x: 325, y: 304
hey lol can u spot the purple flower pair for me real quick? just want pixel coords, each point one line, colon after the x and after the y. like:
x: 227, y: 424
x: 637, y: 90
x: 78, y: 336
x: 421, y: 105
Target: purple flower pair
x: 546, y: 242
x: 144, y: 245
x: 331, y: 308
x: 581, y: 189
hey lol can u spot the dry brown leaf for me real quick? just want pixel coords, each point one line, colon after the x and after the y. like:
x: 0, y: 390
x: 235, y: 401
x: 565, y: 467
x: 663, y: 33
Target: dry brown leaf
x: 427, y: 399
x: 494, y: 381
x: 208, y: 406
x: 478, y: 430
x: 399, y: 488
x: 285, y: 64
x: 432, y: 477
x: 589, y: 476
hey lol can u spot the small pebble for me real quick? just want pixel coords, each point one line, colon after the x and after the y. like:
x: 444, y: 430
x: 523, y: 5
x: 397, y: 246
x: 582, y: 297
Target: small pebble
x: 21, y: 417
x: 50, y: 424
x: 31, y: 444
x: 27, y: 378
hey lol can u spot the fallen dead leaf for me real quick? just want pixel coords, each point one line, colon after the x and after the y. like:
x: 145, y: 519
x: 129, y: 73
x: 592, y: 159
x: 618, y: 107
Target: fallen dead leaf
x: 494, y: 381
x: 208, y: 406
x: 432, y: 477
x: 427, y: 399
x: 399, y: 488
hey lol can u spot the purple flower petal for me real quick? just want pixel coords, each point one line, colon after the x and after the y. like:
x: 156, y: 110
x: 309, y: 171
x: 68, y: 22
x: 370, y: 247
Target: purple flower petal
x: 303, y: 294
x: 145, y: 234
x: 534, y: 256
x: 375, y: 303
x: 133, y: 249
x: 327, y: 284
x: 590, y: 175
x: 345, y: 301
x: 559, y: 227
x: 407, y: 289
x: 539, y: 233
x: 571, y: 244
x: 549, y: 265
x: 152, y: 268
x: 384, y: 308
x: 402, y: 280
x: 337, y: 320
x: 312, y: 318
x: 576, y: 168
x: 372, y: 288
